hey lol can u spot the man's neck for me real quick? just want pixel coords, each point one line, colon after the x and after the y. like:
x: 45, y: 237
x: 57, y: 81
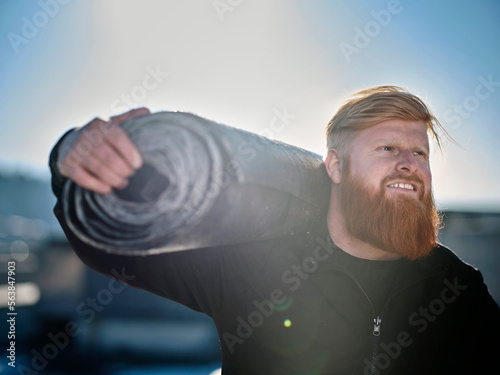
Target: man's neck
x: 350, y: 244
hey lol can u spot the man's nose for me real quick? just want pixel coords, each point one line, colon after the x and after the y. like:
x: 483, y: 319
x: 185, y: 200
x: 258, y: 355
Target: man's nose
x: 407, y: 162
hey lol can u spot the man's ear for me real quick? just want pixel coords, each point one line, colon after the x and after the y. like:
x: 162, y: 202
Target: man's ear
x: 333, y: 166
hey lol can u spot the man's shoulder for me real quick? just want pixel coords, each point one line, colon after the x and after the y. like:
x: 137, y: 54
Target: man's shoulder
x: 446, y: 259
x: 446, y: 254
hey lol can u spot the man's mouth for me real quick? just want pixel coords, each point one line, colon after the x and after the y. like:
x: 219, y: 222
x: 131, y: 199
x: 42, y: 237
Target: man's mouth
x: 402, y: 186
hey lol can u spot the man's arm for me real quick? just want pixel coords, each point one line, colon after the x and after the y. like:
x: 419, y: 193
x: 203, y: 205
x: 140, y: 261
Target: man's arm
x: 201, y: 279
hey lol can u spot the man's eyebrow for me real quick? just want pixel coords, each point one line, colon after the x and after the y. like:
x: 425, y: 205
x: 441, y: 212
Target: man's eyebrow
x: 382, y: 140
x: 420, y: 146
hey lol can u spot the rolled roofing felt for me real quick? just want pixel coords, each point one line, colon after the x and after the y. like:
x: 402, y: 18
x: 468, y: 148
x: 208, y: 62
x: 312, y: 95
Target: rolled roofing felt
x: 202, y: 184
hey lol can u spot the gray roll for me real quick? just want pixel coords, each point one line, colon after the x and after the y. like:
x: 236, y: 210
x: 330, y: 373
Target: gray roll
x: 202, y: 184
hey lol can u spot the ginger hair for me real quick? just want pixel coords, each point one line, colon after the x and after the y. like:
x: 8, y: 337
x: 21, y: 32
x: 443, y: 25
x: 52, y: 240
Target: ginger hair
x: 372, y: 106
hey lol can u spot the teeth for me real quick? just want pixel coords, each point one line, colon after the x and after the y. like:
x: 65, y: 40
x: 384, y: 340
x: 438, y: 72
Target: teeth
x: 402, y: 186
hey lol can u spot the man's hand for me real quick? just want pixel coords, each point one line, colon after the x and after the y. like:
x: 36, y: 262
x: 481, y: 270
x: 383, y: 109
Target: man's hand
x: 102, y: 157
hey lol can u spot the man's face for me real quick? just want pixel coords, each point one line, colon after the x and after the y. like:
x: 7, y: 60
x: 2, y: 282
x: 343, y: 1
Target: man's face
x: 385, y: 189
x: 394, y: 153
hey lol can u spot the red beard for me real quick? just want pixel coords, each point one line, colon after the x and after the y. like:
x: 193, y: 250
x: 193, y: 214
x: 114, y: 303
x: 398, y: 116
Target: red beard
x: 400, y: 224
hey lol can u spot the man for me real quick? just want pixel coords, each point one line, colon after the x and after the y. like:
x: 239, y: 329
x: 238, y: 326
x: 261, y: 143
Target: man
x: 366, y: 291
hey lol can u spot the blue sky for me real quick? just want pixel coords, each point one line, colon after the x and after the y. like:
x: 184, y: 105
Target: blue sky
x: 238, y: 62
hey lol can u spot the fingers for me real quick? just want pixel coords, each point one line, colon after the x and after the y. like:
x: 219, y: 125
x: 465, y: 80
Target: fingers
x: 130, y: 114
x: 106, y: 156
x: 86, y: 180
x: 103, y: 157
x: 106, y: 173
x: 121, y: 142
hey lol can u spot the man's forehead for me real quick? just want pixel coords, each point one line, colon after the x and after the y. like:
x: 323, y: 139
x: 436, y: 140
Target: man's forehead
x: 394, y: 131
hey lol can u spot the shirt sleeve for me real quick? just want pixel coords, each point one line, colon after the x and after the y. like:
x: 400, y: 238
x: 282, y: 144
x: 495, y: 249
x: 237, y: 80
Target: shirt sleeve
x: 58, y: 180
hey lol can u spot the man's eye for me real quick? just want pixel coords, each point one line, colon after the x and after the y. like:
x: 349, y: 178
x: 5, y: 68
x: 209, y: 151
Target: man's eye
x: 387, y: 148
